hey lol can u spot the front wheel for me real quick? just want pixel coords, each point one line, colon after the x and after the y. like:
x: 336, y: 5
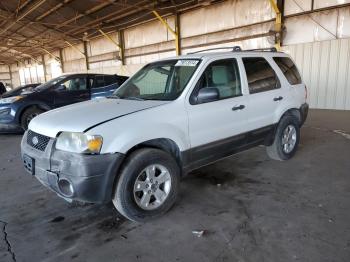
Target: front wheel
x: 147, y: 186
x: 28, y: 115
x: 286, y: 139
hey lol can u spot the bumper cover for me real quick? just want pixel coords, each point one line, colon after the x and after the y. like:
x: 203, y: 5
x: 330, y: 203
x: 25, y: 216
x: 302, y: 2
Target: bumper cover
x: 10, y: 128
x: 304, y: 109
x: 91, y: 177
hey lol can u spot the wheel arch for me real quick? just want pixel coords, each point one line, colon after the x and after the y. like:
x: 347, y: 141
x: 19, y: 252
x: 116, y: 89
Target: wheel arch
x: 291, y: 111
x: 33, y: 105
x: 165, y: 144
x: 294, y: 112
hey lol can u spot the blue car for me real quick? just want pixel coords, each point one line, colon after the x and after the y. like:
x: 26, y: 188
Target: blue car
x: 17, y: 111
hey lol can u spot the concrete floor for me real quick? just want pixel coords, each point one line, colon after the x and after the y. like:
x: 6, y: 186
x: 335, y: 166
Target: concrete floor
x: 252, y: 209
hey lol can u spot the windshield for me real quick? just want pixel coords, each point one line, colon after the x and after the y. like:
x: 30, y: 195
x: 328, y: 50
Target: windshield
x: 163, y: 80
x: 49, y: 83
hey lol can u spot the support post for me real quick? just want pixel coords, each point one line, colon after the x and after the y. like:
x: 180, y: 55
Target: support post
x: 121, y: 46
x: 278, y: 21
x: 178, y: 34
x: 44, y: 67
x: 174, y: 32
x: 86, y: 56
x: 10, y: 76
x: 61, y: 60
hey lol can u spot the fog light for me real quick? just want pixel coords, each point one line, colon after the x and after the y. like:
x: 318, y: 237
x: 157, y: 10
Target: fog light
x: 66, y: 187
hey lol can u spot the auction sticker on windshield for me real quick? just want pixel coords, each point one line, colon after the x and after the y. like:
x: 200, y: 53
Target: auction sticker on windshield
x: 187, y: 63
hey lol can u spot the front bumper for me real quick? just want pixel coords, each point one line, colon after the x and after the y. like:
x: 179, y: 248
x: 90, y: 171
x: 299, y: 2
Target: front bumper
x: 8, y: 121
x: 86, y: 178
x: 304, y: 109
x: 10, y: 128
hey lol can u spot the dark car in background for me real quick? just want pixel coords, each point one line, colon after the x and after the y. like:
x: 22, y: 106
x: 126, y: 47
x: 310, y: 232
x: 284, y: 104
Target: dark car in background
x: 17, y: 111
x: 21, y: 89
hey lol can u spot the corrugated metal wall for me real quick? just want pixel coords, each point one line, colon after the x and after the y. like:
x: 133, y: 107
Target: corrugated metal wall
x: 325, y: 67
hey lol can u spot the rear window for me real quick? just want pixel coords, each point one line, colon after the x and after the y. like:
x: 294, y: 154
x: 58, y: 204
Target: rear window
x: 289, y: 69
x: 260, y: 75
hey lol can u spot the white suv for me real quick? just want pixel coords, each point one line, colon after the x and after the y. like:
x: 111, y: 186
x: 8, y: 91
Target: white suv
x: 171, y: 117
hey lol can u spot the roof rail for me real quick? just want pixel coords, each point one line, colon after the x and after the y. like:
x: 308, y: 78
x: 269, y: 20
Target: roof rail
x: 238, y: 49
x: 233, y: 49
x: 267, y: 49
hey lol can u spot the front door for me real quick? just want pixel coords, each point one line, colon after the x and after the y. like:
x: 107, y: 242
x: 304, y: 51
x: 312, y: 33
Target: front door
x: 72, y: 90
x: 218, y: 128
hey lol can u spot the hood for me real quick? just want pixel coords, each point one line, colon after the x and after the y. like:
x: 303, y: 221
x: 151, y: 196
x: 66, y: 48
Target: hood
x: 16, y: 92
x: 82, y: 116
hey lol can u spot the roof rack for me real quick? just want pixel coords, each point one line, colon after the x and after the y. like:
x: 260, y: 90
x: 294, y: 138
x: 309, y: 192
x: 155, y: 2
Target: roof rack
x: 238, y: 49
x: 233, y: 49
x: 267, y: 49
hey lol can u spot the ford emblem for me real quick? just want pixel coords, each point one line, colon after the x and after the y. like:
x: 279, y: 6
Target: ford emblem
x: 35, y: 140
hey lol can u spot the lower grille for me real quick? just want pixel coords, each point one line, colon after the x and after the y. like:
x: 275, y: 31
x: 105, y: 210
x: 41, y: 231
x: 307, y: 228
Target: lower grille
x: 37, y: 141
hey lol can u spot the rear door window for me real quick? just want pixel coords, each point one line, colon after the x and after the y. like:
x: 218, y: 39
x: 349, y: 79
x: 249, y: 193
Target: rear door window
x: 289, y: 69
x: 260, y: 75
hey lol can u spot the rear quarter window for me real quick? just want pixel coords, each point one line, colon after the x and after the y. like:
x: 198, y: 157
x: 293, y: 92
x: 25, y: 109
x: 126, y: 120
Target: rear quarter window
x: 260, y: 75
x: 289, y: 69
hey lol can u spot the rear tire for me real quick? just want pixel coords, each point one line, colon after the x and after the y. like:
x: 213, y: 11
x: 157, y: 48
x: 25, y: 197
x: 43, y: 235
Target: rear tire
x: 286, y: 139
x: 28, y: 115
x: 147, y: 186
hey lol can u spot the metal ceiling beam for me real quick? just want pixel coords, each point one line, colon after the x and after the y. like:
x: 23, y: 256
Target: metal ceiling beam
x: 115, y: 14
x: 32, y: 7
x: 19, y: 8
x: 91, y: 10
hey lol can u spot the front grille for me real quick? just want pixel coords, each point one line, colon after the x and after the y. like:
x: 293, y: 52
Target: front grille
x: 37, y: 141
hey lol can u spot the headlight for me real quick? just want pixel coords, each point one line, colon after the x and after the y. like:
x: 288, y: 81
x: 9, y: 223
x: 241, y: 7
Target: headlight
x: 79, y: 143
x: 10, y: 100
x: 5, y: 112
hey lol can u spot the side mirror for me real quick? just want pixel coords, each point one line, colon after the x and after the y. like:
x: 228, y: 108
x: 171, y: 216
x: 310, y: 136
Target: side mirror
x: 207, y: 94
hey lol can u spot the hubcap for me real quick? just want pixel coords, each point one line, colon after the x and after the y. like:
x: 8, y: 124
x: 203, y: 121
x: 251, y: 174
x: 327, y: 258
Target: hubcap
x: 152, y: 187
x: 289, y: 139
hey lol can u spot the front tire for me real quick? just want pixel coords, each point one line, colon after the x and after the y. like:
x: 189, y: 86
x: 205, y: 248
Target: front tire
x: 286, y: 139
x: 147, y: 186
x: 28, y: 115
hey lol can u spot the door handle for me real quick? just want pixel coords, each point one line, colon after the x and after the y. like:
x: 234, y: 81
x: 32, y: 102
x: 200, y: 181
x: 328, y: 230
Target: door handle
x: 240, y: 107
x: 278, y: 98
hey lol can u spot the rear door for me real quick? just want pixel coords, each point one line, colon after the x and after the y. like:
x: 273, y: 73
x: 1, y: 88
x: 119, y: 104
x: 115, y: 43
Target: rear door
x: 266, y: 94
x: 217, y: 128
x: 72, y: 90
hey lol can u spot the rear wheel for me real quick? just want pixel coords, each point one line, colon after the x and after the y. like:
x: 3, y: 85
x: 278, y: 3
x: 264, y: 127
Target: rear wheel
x: 286, y: 139
x: 148, y: 185
x: 28, y: 115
